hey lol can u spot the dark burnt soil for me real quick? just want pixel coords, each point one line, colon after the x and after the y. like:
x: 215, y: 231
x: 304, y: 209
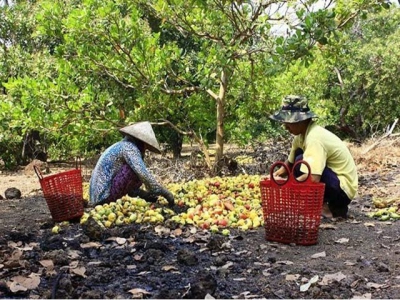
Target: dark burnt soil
x: 354, y: 258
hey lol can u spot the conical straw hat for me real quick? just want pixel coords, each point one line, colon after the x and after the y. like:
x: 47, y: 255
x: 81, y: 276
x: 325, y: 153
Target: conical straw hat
x: 143, y: 132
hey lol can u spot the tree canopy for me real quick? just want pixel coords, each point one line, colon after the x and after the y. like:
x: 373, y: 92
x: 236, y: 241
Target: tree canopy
x: 213, y: 70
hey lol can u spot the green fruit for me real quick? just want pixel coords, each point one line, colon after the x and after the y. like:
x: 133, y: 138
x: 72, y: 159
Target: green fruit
x: 380, y: 212
x: 225, y: 232
x: 385, y: 217
x: 119, y: 221
x: 133, y: 217
x: 214, y: 228
x: 370, y: 214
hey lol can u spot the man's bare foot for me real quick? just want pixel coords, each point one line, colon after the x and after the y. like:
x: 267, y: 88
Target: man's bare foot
x: 326, y: 212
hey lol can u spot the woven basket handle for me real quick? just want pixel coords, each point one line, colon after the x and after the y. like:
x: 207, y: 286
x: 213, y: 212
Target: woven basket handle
x: 308, y: 179
x: 38, y: 172
x: 271, y: 173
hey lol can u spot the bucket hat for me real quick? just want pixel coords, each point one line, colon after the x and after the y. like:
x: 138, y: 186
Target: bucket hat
x: 294, y: 109
x: 143, y: 131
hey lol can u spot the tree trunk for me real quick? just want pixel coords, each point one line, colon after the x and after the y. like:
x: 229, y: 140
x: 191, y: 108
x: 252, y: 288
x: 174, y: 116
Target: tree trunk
x: 220, y: 117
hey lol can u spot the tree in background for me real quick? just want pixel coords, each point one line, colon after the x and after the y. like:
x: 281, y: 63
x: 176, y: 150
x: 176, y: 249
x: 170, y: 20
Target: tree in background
x: 362, y: 84
x: 206, y: 66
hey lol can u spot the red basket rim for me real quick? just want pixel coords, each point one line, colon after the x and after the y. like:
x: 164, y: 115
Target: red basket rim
x: 60, y: 173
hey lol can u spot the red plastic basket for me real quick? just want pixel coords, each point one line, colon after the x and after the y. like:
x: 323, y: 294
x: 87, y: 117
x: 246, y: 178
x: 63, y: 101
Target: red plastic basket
x: 63, y: 193
x: 292, y: 209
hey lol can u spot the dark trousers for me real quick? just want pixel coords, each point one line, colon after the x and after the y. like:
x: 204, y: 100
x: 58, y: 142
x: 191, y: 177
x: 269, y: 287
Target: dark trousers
x: 336, y: 198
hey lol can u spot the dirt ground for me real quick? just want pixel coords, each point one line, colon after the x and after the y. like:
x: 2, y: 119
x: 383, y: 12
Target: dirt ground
x: 354, y: 258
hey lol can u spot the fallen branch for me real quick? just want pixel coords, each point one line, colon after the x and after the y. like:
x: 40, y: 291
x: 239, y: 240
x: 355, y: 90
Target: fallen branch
x: 388, y: 133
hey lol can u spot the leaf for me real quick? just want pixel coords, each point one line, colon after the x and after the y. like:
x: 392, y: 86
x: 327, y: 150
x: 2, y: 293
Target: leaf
x: 138, y: 257
x: 342, y: 241
x: 138, y: 292
x: 292, y: 277
x: 376, y: 286
x: 91, y: 245
x: 161, y: 230
x: 284, y: 262
x: 355, y: 222
x: 349, y: 263
x: 369, y: 224
x: 15, y: 287
x: 227, y: 265
x: 363, y: 296
x: 26, y: 248
x: 73, y: 254
x: 120, y: 241
x: 12, y: 244
x: 177, y: 232
x: 305, y: 287
x: 79, y: 271
x: 144, y: 273
x: 74, y: 264
x: 21, y: 283
x: 48, y: 264
x: 266, y: 272
x: 327, y: 226
x: 169, y: 268
x: 190, y: 239
x: 329, y: 278
x: 318, y: 255
x: 16, y: 254
x: 239, y: 279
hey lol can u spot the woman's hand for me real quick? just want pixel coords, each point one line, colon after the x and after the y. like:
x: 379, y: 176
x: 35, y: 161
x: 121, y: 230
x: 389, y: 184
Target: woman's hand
x: 170, y: 198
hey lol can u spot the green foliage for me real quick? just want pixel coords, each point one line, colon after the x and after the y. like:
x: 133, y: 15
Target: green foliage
x: 78, y: 70
x: 363, y: 72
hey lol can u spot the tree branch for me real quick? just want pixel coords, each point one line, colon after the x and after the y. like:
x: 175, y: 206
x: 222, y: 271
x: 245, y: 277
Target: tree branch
x: 191, y: 134
x: 189, y: 89
x: 212, y: 94
x: 388, y: 133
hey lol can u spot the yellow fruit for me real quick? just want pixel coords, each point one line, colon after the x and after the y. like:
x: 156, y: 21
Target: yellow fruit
x: 256, y: 223
x: 112, y: 217
x: 107, y: 224
x: 244, y: 227
x: 55, y: 229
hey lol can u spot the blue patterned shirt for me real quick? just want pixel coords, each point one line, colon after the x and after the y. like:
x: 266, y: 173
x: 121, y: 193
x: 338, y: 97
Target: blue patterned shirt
x: 109, y: 164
